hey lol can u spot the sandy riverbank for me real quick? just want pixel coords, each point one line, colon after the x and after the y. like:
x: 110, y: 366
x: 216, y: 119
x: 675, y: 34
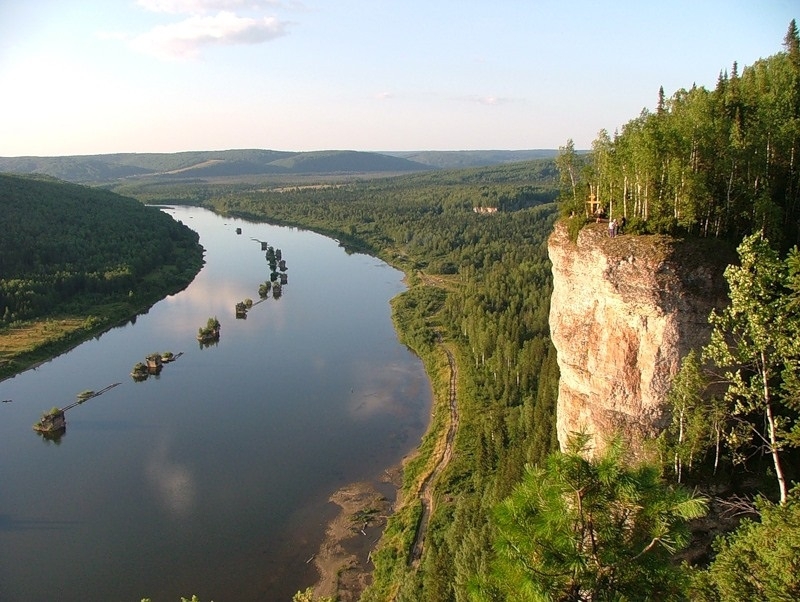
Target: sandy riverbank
x: 343, y: 560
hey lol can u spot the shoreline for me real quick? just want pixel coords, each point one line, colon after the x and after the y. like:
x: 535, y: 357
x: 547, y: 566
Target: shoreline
x: 343, y: 561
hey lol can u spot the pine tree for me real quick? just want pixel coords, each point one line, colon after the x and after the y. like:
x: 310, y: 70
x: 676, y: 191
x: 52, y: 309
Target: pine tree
x: 791, y: 43
x: 590, y: 529
x: 759, y: 561
x: 661, y: 106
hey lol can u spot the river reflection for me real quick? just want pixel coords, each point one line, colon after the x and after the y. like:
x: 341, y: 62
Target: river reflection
x: 211, y: 477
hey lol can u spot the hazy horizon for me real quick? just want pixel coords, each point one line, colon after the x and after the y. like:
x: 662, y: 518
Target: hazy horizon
x: 279, y: 150
x: 96, y: 77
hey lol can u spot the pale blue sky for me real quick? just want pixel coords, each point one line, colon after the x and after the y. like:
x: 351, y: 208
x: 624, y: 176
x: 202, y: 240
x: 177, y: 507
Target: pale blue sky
x: 101, y: 76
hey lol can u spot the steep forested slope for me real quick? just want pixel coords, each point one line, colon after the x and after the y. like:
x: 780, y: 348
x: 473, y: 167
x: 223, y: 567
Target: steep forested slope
x: 69, y: 251
x: 713, y: 163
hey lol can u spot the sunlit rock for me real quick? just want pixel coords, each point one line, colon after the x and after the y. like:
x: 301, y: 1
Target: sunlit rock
x: 624, y: 311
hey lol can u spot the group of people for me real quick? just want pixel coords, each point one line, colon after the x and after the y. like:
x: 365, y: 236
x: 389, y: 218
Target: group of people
x: 616, y: 227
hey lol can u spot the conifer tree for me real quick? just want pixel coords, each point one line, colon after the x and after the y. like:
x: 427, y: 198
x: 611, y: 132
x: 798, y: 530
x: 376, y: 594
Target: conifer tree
x: 760, y: 560
x: 791, y: 42
x: 597, y: 529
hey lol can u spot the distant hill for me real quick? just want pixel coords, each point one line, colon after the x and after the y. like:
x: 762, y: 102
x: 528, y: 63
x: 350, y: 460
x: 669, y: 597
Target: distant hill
x: 98, y: 169
x: 93, y: 169
x: 347, y: 161
x: 475, y: 158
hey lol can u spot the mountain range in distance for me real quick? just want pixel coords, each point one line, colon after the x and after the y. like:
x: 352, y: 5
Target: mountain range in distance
x: 96, y: 169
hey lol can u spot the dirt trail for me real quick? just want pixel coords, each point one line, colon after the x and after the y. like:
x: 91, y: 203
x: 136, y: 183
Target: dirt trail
x: 426, y: 491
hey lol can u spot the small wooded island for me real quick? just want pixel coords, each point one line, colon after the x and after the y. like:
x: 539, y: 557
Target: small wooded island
x: 51, y: 422
x: 152, y: 365
x: 210, y: 332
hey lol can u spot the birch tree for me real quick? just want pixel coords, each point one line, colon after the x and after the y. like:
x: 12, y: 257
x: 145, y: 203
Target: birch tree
x: 754, y: 343
x: 568, y: 168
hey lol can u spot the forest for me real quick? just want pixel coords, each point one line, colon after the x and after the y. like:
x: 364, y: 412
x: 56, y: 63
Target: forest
x: 721, y: 162
x: 75, y: 260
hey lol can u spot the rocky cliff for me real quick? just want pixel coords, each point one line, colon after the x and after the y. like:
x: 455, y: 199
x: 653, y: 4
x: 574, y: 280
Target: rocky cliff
x: 624, y: 311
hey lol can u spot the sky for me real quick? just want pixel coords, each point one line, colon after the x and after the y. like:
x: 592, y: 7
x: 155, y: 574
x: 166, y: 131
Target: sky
x: 82, y: 77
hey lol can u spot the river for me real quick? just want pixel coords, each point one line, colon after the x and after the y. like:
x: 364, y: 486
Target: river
x: 213, y: 477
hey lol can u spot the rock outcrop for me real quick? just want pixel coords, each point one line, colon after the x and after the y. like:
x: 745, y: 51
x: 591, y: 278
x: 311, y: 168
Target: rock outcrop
x: 624, y: 311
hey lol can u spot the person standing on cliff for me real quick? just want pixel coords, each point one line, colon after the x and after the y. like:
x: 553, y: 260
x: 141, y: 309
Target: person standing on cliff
x: 612, y: 228
x: 599, y: 213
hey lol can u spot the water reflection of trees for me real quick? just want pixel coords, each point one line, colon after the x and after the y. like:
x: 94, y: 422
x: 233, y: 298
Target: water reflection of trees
x: 208, y: 343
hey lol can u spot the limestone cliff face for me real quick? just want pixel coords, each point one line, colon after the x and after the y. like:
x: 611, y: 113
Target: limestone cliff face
x: 624, y: 311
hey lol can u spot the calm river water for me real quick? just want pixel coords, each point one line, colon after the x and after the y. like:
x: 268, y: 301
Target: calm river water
x: 213, y: 477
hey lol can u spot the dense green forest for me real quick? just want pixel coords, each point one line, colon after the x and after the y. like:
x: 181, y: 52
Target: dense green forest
x: 74, y: 260
x: 721, y: 162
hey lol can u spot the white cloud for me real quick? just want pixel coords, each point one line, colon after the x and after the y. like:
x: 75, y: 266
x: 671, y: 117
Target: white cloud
x: 199, y: 6
x: 186, y: 38
x: 173, y: 483
x: 491, y: 101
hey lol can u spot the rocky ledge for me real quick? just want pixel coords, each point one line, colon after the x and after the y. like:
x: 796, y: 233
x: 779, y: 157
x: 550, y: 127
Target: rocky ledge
x: 624, y: 311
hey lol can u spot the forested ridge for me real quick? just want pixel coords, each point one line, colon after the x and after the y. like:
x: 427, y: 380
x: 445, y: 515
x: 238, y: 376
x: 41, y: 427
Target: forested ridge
x: 96, y: 169
x: 237, y: 163
x: 721, y: 162
x: 75, y: 259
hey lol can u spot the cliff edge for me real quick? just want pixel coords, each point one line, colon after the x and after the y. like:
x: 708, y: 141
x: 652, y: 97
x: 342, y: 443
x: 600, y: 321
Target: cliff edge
x: 623, y: 313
